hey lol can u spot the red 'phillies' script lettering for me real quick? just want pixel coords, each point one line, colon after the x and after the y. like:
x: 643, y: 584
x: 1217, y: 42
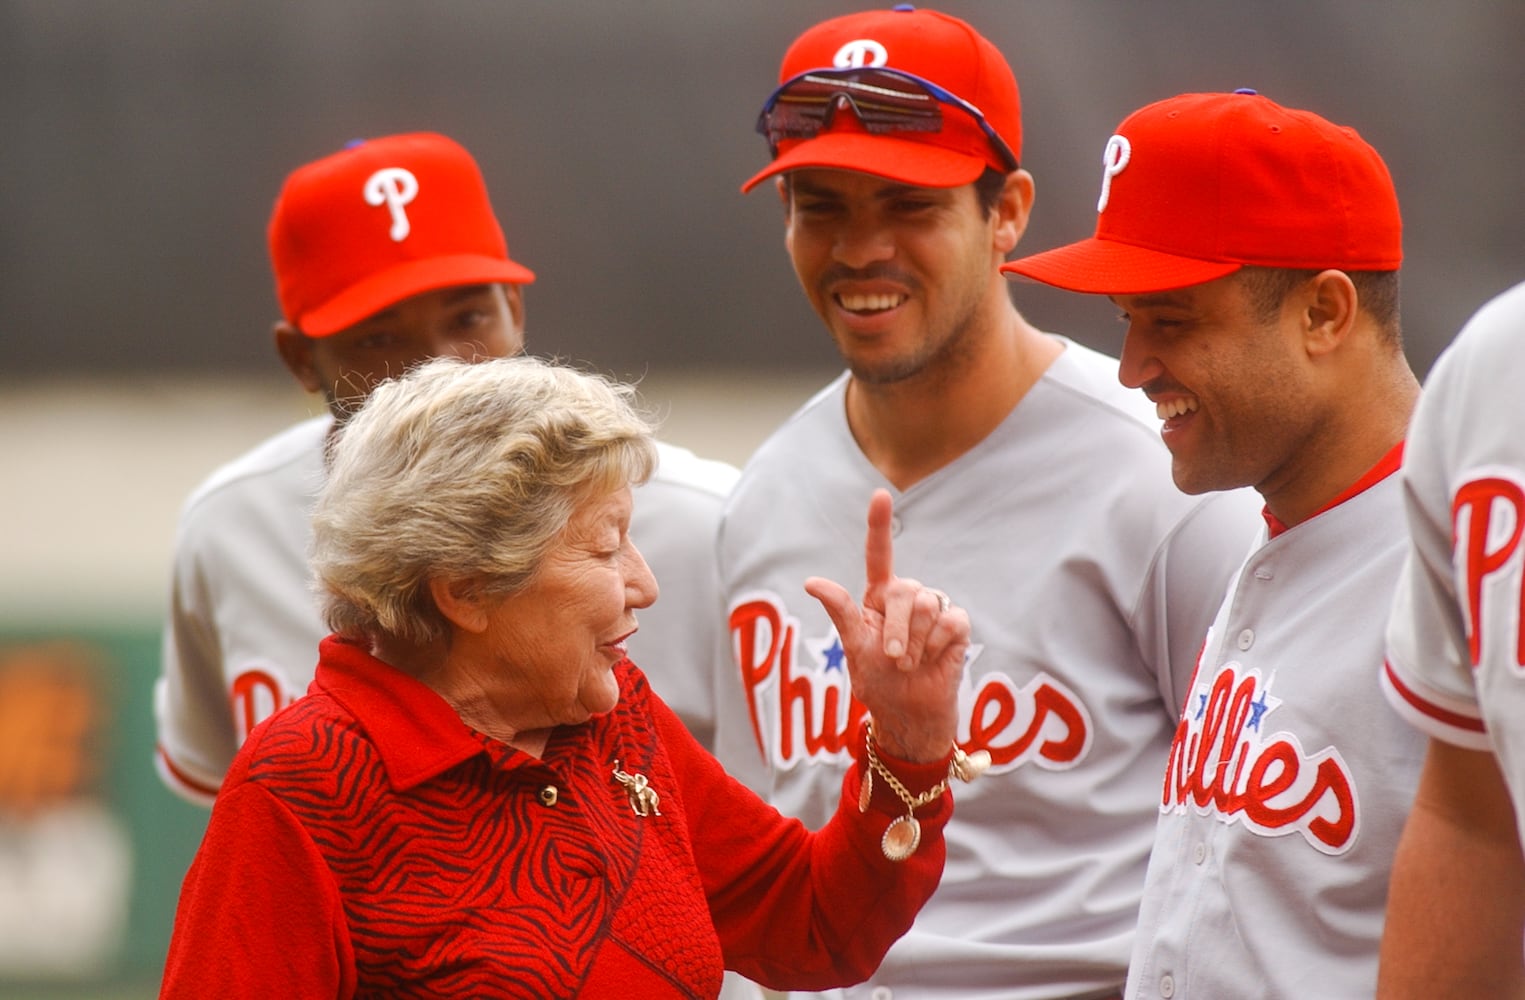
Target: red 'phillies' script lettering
x: 809, y: 712
x: 1221, y: 765
x: 1474, y: 517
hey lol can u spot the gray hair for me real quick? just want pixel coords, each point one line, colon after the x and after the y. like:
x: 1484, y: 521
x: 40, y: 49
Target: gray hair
x: 461, y: 471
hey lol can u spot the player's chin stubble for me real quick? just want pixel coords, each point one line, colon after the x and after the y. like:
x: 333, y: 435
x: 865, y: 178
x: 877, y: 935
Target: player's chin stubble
x: 939, y: 359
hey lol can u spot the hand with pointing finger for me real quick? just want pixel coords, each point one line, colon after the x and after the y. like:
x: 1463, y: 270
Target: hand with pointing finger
x: 904, y: 645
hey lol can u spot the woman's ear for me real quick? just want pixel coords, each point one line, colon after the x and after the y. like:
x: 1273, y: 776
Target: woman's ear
x: 461, y: 601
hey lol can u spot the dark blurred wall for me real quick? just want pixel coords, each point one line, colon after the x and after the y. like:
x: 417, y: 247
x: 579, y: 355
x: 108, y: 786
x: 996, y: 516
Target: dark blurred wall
x: 143, y: 143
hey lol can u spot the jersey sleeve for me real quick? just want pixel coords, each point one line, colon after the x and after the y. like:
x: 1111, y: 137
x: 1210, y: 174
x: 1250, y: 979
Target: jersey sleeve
x: 259, y: 913
x: 1427, y: 676
x: 242, y: 623
x: 195, y: 731
x: 802, y: 910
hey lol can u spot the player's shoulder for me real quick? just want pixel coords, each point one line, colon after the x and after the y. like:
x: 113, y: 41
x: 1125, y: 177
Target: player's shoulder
x: 1469, y: 413
x: 817, y: 427
x: 1501, y: 316
x: 1491, y: 344
x: 682, y: 501
x: 297, y: 450
x: 681, y: 469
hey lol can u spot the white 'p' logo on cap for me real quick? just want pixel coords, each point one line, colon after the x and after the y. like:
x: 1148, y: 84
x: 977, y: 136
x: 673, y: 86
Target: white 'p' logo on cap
x: 395, y: 188
x: 1113, y: 159
x: 860, y: 52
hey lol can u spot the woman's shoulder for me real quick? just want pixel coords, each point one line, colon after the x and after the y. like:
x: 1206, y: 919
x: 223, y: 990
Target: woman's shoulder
x: 303, y: 746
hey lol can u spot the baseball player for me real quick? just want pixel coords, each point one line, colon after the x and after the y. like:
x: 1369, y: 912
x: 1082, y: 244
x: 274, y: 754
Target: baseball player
x: 1454, y: 655
x: 1028, y: 484
x: 385, y: 254
x: 1254, y: 252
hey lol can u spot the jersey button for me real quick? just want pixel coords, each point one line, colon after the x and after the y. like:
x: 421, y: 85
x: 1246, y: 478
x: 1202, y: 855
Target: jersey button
x: 548, y: 795
x: 1246, y: 639
x: 881, y: 993
x: 895, y: 526
x: 1167, y: 986
x: 1199, y: 853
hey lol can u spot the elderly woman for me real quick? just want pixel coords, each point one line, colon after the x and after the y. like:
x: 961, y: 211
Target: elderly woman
x: 480, y: 796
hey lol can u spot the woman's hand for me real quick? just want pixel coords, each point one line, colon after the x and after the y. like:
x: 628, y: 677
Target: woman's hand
x: 905, y: 648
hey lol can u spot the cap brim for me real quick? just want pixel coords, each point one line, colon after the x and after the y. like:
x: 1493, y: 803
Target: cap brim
x: 886, y: 156
x: 389, y: 287
x: 1106, y: 267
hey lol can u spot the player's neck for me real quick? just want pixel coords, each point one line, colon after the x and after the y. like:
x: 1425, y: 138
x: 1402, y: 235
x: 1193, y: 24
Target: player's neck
x: 910, y: 428
x: 1373, y: 417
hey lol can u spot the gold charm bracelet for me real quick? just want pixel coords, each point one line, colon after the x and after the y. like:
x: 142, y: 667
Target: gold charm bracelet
x: 903, y: 836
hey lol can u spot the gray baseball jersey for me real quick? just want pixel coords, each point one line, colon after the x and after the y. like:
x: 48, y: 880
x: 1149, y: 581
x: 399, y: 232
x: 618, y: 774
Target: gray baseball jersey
x: 1288, y: 779
x: 243, y: 629
x: 1090, y: 581
x: 1456, y: 646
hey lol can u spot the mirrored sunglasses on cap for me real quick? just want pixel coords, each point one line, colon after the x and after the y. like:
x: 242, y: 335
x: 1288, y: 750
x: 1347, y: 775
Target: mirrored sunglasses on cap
x: 884, y: 100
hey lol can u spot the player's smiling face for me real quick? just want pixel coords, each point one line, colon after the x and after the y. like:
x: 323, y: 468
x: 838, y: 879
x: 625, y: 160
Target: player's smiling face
x: 898, y: 273
x: 474, y: 322
x: 1237, y: 404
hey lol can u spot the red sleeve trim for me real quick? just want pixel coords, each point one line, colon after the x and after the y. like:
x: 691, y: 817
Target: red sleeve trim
x: 189, y: 783
x: 1442, y: 715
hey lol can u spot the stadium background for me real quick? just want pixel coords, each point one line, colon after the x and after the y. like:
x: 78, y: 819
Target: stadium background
x: 143, y: 144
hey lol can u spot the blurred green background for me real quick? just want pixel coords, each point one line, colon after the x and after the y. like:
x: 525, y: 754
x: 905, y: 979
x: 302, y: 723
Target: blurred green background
x: 92, y: 847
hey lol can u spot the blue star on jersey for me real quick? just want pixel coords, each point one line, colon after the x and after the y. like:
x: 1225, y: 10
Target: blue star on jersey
x: 827, y: 653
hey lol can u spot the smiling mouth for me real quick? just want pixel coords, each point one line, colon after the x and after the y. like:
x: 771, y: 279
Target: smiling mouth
x: 879, y: 302
x: 1179, y: 406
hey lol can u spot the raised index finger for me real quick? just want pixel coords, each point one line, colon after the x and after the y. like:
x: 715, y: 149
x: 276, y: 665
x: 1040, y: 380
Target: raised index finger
x: 879, y: 547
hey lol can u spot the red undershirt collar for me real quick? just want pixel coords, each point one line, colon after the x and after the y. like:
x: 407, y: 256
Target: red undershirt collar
x: 1386, y: 466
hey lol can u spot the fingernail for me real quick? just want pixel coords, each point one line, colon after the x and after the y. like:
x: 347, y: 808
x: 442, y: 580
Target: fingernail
x: 894, y: 648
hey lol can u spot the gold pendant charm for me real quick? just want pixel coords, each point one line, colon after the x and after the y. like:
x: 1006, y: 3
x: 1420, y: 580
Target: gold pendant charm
x: 901, y: 839
x: 968, y: 766
x: 643, y: 798
x: 866, y: 791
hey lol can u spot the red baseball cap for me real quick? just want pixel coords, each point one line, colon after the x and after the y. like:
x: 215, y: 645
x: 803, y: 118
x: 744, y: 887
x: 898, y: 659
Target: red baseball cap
x: 1198, y: 186
x: 379, y: 221
x: 924, y: 43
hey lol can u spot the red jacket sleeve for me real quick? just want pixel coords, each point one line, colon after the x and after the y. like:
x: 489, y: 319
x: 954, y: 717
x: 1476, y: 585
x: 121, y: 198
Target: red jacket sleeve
x: 796, y: 909
x: 259, y: 914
